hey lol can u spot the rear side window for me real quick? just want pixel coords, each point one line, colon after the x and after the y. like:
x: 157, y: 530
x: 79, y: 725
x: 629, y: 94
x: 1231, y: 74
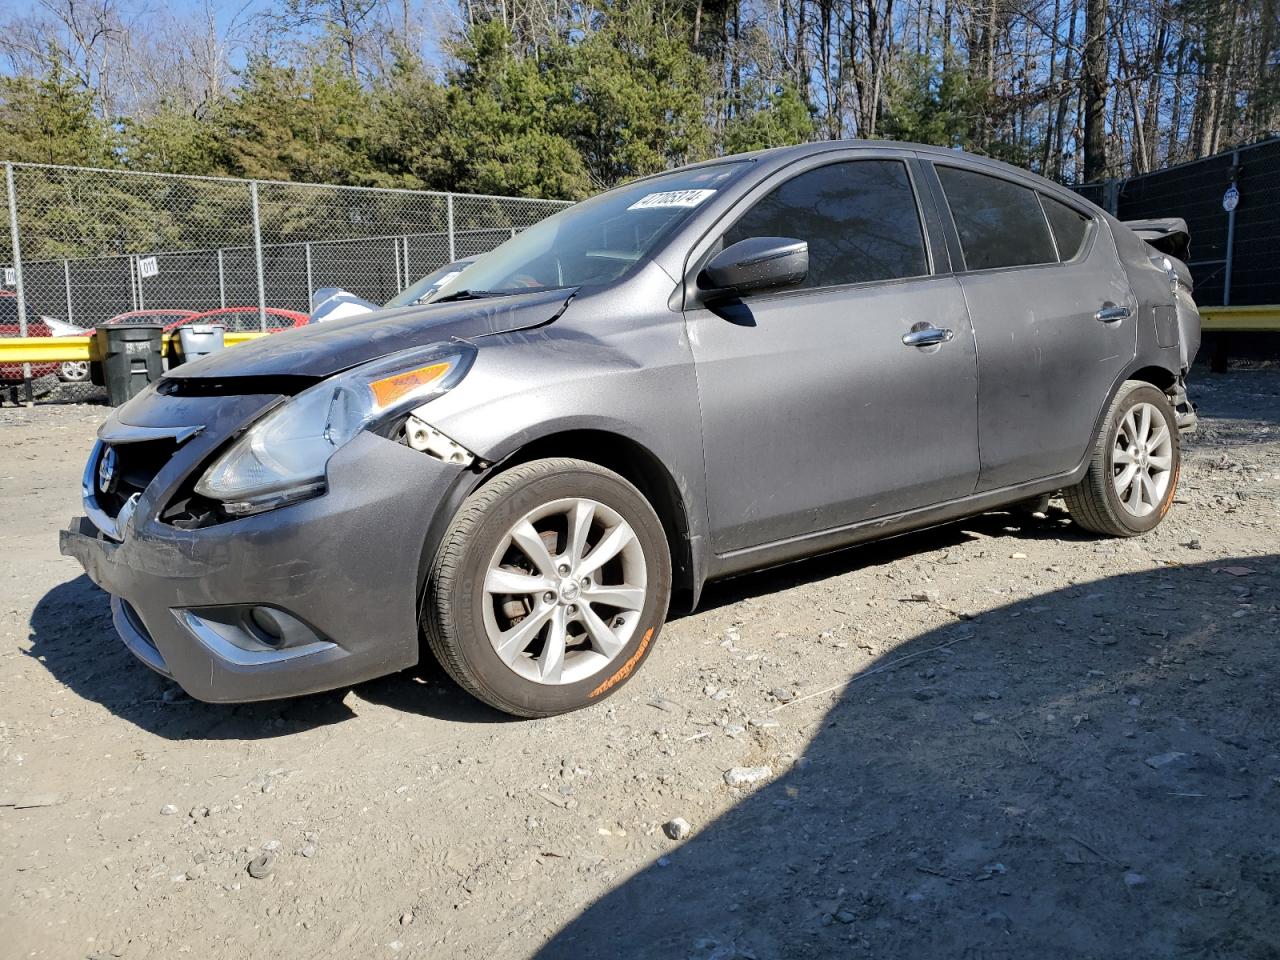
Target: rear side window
x: 1000, y: 223
x: 858, y: 217
x: 1069, y: 227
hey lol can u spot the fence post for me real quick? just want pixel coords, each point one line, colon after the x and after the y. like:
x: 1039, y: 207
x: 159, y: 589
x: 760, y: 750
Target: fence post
x: 1231, y: 236
x: 222, y: 281
x: 453, y: 252
x: 257, y: 253
x: 66, y: 282
x: 311, y: 289
x: 133, y: 282
x: 17, y: 266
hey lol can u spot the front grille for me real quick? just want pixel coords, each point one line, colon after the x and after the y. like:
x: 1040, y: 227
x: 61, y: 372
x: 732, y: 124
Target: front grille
x: 136, y: 465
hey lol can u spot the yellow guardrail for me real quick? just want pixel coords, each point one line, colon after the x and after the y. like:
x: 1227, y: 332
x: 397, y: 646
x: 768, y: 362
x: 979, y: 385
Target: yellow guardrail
x: 1262, y: 318
x: 61, y: 349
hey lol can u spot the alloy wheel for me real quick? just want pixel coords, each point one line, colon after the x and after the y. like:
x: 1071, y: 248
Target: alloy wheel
x: 564, y: 590
x: 1142, y: 459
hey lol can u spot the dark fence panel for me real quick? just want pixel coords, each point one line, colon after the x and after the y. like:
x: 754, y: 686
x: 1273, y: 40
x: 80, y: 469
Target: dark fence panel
x: 1230, y: 263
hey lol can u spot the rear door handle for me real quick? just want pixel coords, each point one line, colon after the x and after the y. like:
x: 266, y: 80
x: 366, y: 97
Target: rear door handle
x: 1112, y: 313
x: 926, y: 335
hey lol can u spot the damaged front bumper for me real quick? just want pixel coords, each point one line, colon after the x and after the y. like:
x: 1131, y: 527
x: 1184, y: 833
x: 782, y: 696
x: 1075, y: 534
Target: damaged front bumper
x: 342, y: 571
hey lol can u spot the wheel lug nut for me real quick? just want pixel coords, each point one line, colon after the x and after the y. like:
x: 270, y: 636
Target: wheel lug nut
x: 563, y: 568
x: 573, y: 610
x: 586, y: 581
x: 549, y: 597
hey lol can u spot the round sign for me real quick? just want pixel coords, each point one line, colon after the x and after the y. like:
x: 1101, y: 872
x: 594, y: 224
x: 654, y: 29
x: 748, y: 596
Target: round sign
x: 1231, y: 199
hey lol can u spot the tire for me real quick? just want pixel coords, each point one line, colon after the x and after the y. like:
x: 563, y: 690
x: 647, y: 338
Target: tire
x: 465, y: 619
x: 1096, y: 502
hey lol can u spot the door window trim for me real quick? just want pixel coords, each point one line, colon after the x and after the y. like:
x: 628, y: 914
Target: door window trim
x: 953, y: 231
x: 701, y: 250
x: 1091, y: 225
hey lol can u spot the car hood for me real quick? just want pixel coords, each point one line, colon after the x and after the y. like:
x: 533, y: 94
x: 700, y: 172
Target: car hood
x: 320, y: 350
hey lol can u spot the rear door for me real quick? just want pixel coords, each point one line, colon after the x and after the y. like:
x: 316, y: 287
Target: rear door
x: 815, y: 413
x: 1053, y: 315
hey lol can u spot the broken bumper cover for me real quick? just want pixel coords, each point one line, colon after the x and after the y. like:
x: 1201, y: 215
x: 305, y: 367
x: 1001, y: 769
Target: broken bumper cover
x: 347, y: 563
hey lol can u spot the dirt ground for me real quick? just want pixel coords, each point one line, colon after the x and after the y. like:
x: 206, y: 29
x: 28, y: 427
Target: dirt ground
x: 1002, y: 738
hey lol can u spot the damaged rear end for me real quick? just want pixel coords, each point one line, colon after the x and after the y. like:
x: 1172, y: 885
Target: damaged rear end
x: 1167, y: 244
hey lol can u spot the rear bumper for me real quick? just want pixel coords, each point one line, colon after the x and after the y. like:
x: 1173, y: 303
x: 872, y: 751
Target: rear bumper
x: 348, y: 564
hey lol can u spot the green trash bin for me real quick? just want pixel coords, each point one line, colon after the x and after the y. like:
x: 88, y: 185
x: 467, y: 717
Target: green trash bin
x: 131, y: 358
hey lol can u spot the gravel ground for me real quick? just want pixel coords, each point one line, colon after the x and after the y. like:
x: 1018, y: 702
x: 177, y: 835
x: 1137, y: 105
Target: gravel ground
x: 1001, y: 738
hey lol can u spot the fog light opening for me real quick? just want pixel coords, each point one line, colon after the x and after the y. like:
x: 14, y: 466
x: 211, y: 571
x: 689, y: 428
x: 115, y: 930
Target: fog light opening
x: 267, y: 626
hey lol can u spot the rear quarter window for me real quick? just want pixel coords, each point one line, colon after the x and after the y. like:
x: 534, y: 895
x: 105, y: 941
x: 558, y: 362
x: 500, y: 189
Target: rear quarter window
x: 1070, y: 227
x: 999, y: 222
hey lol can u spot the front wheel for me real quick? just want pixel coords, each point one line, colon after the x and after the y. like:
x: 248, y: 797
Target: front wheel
x: 549, y: 588
x: 1134, y: 470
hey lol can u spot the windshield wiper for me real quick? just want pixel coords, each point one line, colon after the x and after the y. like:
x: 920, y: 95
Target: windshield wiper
x: 469, y: 295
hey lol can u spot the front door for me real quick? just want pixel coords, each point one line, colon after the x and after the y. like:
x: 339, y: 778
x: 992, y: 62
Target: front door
x: 815, y: 412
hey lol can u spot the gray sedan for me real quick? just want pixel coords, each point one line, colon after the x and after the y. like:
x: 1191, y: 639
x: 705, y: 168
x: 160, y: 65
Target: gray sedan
x: 727, y: 366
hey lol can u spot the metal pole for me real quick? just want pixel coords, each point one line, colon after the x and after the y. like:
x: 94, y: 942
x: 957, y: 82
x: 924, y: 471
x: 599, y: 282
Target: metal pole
x: 407, y: 278
x: 222, y: 281
x: 66, y: 282
x: 133, y: 283
x: 1231, y: 236
x: 257, y: 251
x: 142, y: 297
x: 311, y: 289
x: 16, y: 243
x: 453, y: 252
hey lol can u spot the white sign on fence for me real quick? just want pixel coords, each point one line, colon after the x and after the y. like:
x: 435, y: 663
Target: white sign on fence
x: 147, y: 267
x: 10, y: 277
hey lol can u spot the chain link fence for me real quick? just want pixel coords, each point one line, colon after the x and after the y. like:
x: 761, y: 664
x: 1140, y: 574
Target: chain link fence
x: 85, y: 247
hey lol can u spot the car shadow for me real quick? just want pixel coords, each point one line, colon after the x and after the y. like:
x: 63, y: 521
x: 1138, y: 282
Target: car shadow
x: 1055, y: 524
x: 1090, y: 772
x: 72, y: 636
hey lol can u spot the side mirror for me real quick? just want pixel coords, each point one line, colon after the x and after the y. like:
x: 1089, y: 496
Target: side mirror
x: 757, y: 263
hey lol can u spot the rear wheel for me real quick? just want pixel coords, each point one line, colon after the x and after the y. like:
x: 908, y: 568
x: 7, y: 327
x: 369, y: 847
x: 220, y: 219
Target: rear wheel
x: 549, y: 588
x: 1134, y: 471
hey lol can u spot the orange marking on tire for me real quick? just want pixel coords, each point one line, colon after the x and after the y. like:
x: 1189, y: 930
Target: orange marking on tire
x: 625, y: 670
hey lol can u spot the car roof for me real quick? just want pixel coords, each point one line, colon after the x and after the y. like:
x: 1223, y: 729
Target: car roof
x: 775, y: 157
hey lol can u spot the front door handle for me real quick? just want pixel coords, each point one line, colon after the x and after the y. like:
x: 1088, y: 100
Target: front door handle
x: 926, y: 335
x: 1112, y: 313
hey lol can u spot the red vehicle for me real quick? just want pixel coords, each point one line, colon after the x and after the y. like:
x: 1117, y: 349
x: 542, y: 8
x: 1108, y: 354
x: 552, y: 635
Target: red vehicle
x: 171, y: 319
x: 245, y: 319
x: 235, y: 319
x: 9, y: 327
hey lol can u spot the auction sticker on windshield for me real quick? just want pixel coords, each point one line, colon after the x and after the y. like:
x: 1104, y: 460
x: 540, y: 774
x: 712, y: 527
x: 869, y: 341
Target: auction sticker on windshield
x: 671, y: 198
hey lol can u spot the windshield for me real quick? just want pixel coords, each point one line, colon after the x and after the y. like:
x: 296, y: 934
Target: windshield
x: 595, y: 241
x: 424, y: 288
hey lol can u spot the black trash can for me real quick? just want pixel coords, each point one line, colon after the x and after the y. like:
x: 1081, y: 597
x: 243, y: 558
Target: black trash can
x: 131, y: 358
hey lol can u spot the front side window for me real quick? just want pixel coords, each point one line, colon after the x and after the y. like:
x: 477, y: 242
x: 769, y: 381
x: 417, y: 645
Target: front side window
x: 858, y: 217
x: 1070, y: 228
x: 1000, y: 223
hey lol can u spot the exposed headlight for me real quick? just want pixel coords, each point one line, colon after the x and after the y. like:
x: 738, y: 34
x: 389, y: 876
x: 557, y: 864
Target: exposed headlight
x: 282, y: 457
